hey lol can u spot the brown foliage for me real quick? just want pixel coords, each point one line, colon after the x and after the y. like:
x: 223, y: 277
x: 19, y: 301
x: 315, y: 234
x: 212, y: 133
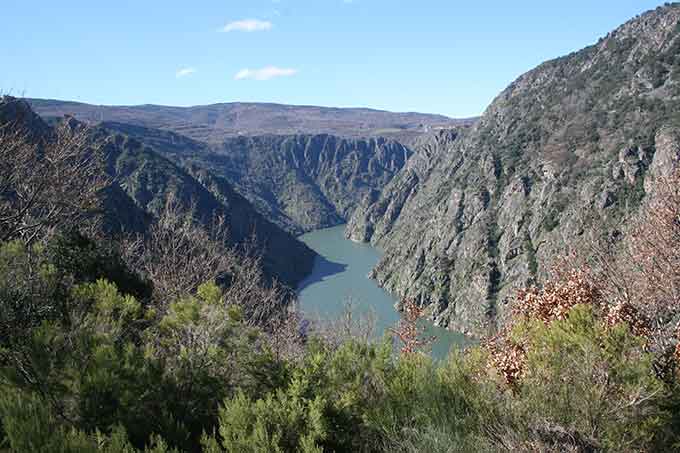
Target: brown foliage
x: 506, y: 357
x: 566, y: 289
x: 408, y: 332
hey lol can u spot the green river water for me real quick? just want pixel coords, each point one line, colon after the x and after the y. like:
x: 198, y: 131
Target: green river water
x: 341, y: 273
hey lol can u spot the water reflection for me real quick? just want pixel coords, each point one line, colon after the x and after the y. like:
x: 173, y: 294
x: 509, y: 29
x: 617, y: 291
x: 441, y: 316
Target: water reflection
x: 323, y: 269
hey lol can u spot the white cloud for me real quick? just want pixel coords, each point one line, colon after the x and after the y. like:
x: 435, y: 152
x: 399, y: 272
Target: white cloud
x: 266, y: 73
x: 247, y: 25
x: 185, y: 72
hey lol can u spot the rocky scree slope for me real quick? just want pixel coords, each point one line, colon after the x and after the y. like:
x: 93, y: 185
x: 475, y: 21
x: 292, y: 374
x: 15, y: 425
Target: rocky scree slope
x: 562, y: 154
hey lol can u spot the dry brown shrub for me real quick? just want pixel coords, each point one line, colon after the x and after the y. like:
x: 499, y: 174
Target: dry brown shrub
x: 641, y: 273
x: 567, y: 288
x: 179, y: 254
x: 507, y: 358
x: 408, y: 333
x: 47, y: 182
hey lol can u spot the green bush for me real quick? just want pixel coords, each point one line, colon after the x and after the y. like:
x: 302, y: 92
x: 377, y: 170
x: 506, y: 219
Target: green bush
x: 589, y: 382
x: 319, y: 409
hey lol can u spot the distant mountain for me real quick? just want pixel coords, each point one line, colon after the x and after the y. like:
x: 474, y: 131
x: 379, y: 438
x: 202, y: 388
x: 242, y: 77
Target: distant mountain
x: 217, y: 122
x: 568, y: 150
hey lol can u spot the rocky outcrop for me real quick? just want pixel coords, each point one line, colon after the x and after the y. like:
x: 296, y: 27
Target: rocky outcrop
x: 566, y: 152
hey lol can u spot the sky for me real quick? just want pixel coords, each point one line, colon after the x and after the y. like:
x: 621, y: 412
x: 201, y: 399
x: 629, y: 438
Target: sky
x: 435, y: 56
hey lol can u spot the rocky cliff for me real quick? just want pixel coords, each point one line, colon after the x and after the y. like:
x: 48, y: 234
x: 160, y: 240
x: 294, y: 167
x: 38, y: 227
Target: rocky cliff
x: 561, y: 154
x: 306, y: 182
x: 299, y: 182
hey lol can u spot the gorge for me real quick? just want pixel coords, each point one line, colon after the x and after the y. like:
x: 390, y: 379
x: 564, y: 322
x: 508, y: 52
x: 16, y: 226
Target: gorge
x: 466, y: 211
x: 339, y: 282
x: 249, y: 277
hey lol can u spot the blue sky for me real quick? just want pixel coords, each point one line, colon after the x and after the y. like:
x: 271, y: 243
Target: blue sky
x: 440, y: 56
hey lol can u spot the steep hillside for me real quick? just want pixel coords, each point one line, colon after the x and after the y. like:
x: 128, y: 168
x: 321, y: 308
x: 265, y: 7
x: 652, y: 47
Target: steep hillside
x: 214, y: 123
x: 305, y: 182
x: 561, y: 154
x: 143, y: 180
x: 149, y: 179
x: 299, y: 182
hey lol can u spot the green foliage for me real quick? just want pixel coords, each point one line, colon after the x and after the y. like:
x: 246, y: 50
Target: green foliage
x: 84, y: 260
x: 281, y: 422
x: 361, y: 398
x: 431, y: 408
x: 87, y: 367
x: 35, y: 281
x: 207, y: 355
x: 593, y: 381
x: 320, y: 407
x: 29, y: 291
x: 98, y: 358
x: 32, y: 427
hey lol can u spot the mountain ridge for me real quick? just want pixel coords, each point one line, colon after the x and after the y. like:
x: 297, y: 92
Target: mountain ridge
x: 144, y: 180
x: 213, y: 123
x: 564, y: 149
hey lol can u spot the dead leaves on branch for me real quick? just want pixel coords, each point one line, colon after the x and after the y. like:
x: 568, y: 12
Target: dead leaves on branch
x: 554, y: 302
x: 408, y: 332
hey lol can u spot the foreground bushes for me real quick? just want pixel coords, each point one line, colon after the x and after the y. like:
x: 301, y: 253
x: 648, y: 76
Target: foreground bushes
x: 585, y: 385
x: 93, y: 359
x: 95, y: 369
x: 101, y: 351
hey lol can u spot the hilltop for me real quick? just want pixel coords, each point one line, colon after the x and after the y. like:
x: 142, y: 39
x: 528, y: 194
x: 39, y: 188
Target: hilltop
x: 217, y: 122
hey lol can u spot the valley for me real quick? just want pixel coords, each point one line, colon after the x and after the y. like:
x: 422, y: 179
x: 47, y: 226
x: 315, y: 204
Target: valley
x: 467, y: 211
x: 256, y: 277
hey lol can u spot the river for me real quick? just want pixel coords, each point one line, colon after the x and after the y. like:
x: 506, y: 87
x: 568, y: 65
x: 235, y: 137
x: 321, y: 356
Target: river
x: 341, y: 273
